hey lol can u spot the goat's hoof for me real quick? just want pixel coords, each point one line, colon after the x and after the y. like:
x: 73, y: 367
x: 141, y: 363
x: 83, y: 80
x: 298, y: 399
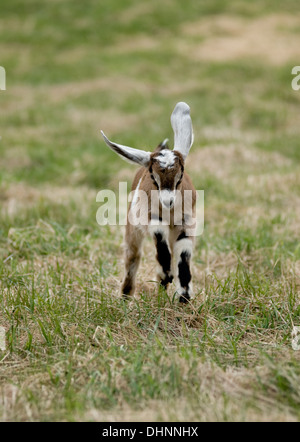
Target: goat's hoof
x: 127, y: 288
x: 166, y: 280
x: 184, y: 298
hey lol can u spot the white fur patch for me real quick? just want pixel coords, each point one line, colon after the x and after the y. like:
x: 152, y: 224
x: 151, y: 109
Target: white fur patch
x: 167, y: 197
x: 183, y: 245
x: 136, y: 193
x: 166, y: 159
x: 161, y: 228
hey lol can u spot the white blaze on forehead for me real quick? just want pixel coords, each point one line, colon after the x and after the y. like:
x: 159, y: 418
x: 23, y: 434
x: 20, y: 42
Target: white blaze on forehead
x: 166, y: 159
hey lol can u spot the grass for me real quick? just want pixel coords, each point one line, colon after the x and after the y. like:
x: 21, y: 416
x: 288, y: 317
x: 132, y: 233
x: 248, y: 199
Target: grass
x: 74, y: 349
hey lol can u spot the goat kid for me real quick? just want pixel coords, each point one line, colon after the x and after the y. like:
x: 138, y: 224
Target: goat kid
x: 162, y: 171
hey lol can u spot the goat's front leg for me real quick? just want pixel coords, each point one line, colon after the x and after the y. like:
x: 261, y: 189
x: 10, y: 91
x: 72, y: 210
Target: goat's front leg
x: 133, y: 247
x: 163, y: 254
x: 183, y: 249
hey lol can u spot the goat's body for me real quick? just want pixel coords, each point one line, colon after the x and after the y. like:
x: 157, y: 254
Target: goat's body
x: 173, y: 244
x: 163, y: 172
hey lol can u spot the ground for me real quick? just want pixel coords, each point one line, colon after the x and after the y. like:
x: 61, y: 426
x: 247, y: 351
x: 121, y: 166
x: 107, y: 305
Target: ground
x: 74, y: 349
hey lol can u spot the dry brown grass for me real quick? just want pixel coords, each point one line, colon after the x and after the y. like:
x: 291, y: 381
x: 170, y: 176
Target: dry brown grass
x: 268, y: 38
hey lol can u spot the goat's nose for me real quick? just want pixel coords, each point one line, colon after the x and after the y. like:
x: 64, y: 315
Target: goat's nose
x: 167, y: 198
x: 168, y: 202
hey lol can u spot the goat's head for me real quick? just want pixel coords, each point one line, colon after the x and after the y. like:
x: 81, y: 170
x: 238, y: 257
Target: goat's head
x: 166, y: 167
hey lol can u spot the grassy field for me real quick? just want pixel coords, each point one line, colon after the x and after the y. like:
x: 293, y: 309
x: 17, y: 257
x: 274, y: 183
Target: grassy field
x: 74, y: 349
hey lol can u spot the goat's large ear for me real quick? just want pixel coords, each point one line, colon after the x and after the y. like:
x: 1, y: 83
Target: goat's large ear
x: 129, y: 153
x: 183, y: 130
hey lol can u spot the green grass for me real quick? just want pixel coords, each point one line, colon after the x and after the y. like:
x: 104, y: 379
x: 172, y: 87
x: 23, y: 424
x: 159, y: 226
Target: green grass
x: 74, y: 349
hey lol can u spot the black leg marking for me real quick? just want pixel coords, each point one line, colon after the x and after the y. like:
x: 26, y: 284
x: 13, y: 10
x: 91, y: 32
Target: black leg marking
x: 184, y: 270
x: 184, y: 275
x: 164, y: 258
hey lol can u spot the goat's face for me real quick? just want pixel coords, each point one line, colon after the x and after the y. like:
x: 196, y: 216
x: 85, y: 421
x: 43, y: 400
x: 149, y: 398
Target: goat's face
x: 166, y: 171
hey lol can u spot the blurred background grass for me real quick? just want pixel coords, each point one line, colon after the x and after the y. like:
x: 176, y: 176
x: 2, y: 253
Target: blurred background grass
x: 74, y: 68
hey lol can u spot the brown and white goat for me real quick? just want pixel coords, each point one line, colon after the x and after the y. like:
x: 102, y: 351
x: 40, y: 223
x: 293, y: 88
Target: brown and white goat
x: 162, y: 171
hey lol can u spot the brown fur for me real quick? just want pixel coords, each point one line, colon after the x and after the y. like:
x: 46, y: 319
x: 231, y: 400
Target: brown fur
x: 134, y: 236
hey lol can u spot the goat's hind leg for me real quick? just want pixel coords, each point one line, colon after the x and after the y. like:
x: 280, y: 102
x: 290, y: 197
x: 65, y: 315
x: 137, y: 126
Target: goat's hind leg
x: 132, y: 255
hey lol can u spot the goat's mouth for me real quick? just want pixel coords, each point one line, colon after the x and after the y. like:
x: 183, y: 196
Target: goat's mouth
x: 167, y: 205
x: 167, y: 199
